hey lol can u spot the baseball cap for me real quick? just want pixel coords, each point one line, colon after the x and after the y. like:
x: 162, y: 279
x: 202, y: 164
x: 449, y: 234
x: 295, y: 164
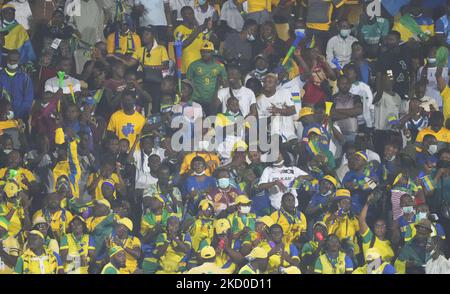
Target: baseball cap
x: 331, y: 179
x: 242, y: 199
x: 291, y: 270
x: 342, y: 193
x: 257, y: 252
x: 126, y: 222
x: 37, y: 233
x: 39, y: 220
x: 267, y: 220
x: 10, y: 6
x: 207, y: 252
x: 114, y: 250
x: 305, y: 111
x: 207, y: 46
x: 221, y: 226
x: 363, y: 155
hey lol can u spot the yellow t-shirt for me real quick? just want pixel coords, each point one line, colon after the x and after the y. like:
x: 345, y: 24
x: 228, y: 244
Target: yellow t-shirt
x: 98, y: 190
x: 59, y: 221
x: 443, y: 135
x: 446, y: 103
x: 291, y: 229
x: 20, y: 172
x: 75, y: 250
x: 344, y: 228
x: 260, y: 5
x: 29, y: 263
x: 131, y: 262
x: 383, y: 247
x: 126, y: 126
x: 157, y: 56
x: 11, y: 247
x: 192, y: 52
x: 186, y: 164
x: 123, y: 43
x: 15, y: 223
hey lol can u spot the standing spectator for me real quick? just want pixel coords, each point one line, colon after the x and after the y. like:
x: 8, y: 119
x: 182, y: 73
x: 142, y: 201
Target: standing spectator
x: 340, y: 47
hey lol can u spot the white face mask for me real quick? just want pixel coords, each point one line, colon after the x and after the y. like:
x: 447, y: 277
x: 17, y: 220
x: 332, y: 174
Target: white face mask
x: 279, y: 164
x: 298, y: 31
x: 421, y: 215
x: 432, y: 149
x: 391, y: 159
x: 431, y: 60
x: 12, y: 66
x: 345, y: 33
x: 261, y: 71
x: 251, y: 37
x: 244, y: 209
x: 10, y: 115
x: 408, y: 209
x: 199, y: 174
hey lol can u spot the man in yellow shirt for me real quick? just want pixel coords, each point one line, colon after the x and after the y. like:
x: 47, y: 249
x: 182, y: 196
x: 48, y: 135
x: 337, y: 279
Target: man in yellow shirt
x: 436, y: 128
x: 36, y: 259
x: 106, y: 177
x: 123, y: 41
x: 292, y: 220
x: 9, y: 248
x: 58, y: 218
x: 192, y: 34
x: 208, y: 263
x: 127, y: 123
x: 16, y: 208
x: 16, y: 172
x: 152, y: 59
x: 130, y: 244
x: 444, y: 89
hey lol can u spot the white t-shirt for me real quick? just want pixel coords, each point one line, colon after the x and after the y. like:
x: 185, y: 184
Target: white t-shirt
x: 23, y: 12
x: 286, y: 175
x: 178, y: 4
x: 200, y: 16
x: 363, y: 90
x: 143, y: 176
x: 245, y: 96
x: 154, y: 13
x: 281, y: 125
x: 386, y: 107
x: 52, y: 85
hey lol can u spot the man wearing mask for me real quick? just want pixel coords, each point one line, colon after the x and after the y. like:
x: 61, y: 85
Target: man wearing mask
x: 17, y: 37
x: 238, y: 46
x: 412, y: 256
x: 261, y: 69
x: 428, y: 150
x: 246, y: 97
x: 436, y: 261
x: 207, y: 75
x: 340, y: 47
x: 127, y: 123
x: 279, y: 179
x: 224, y: 195
x: 17, y: 85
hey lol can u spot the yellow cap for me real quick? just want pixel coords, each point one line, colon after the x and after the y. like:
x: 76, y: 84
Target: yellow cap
x: 314, y: 131
x: 343, y: 193
x: 207, y: 252
x: 205, y: 203
x: 331, y: 180
x: 240, y: 146
x: 372, y: 254
x: 8, y: 6
x: 114, y: 250
x: 242, y: 199
x: 11, y: 189
x: 126, y: 222
x: 208, y: 46
x: 257, y: 252
x: 39, y: 220
x: 221, y: 226
x: 267, y: 220
x: 37, y: 233
x: 305, y: 111
x: 104, y: 202
x: 292, y: 270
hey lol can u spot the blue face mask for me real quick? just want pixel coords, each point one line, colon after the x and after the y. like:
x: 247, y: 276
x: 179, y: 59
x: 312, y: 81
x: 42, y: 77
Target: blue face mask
x: 223, y: 183
x: 408, y: 209
x: 421, y: 215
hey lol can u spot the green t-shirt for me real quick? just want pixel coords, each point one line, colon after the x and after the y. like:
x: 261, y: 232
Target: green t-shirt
x: 372, y: 33
x: 204, y: 78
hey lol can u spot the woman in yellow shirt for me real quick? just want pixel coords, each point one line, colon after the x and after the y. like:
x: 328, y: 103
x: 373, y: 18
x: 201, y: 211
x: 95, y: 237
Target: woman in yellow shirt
x: 77, y: 248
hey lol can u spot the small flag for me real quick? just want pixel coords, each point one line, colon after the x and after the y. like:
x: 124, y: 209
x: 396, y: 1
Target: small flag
x: 428, y: 183
x: 296, y: 97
